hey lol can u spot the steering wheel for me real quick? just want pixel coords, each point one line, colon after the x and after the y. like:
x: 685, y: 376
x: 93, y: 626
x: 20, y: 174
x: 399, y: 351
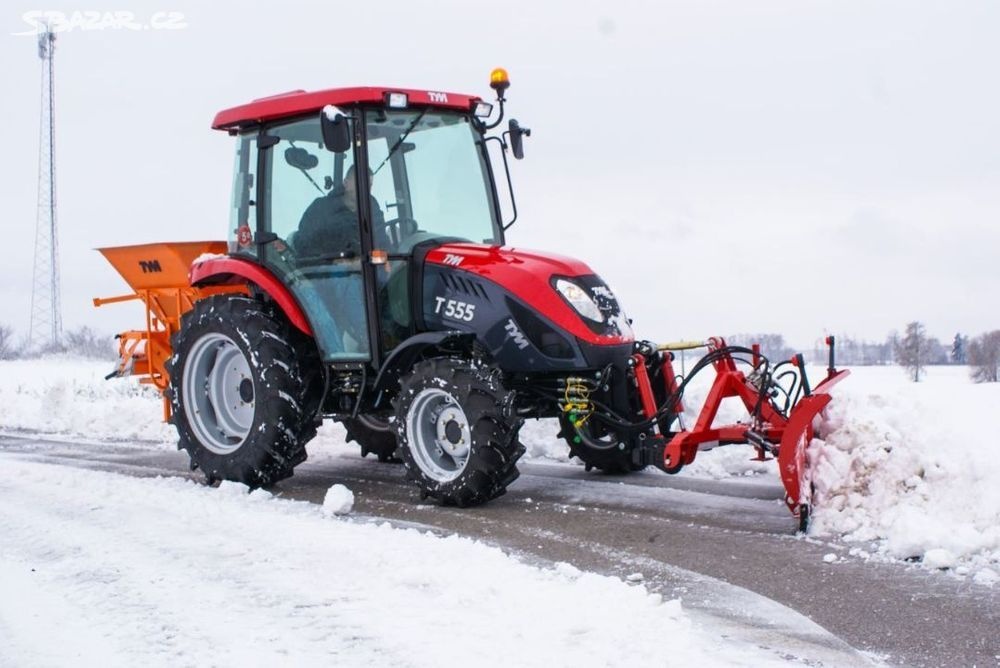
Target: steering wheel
x: 397, y: 229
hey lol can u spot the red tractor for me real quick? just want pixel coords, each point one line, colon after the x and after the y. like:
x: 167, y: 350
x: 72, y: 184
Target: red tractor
x: 403, y: 314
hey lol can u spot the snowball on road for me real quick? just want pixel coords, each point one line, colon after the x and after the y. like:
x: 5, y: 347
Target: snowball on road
x: 104, y: 569
x: 338, y: 500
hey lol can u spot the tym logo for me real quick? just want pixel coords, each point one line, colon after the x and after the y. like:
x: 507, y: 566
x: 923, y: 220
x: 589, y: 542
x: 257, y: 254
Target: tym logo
x: 516, y: 334
x: 438, y: 97
x: 453, y: 260
x: 150, y: 266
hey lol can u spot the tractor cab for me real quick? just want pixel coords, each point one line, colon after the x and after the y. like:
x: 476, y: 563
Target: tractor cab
x: 336, y: 203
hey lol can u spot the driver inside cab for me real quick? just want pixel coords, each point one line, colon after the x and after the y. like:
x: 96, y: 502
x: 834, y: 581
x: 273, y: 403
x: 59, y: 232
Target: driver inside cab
x: 329, y: 226
x: 334, y: 294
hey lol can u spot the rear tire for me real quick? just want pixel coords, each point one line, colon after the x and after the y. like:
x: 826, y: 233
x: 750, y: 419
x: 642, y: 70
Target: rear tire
x: 457, y: 435
x: 611, y: 460
x: 239, y: 397
x: 375, y: 436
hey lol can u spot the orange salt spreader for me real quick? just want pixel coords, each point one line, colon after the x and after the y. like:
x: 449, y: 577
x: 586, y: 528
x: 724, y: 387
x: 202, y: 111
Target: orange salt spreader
x: 158, y: 274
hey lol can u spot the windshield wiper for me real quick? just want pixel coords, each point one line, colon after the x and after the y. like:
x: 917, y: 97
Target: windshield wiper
x: 305, y: 173
x: 401, y: 139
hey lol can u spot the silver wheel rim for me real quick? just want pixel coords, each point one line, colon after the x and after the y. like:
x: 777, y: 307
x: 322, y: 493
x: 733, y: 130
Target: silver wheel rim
x: 218, y: 393
x: 439, y: 437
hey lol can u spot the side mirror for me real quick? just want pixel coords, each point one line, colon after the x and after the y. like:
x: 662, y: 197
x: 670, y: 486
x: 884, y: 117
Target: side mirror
x: 336, y: 130
x: 517, y: 133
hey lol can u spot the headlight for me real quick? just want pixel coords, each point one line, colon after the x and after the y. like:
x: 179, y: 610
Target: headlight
x: 579, y: 300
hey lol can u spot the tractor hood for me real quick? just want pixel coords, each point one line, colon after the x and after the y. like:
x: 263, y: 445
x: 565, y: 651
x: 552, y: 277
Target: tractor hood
x: 532, y: 276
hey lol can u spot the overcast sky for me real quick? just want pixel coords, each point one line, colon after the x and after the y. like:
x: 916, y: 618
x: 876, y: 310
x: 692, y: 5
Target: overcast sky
x: 727, y: 166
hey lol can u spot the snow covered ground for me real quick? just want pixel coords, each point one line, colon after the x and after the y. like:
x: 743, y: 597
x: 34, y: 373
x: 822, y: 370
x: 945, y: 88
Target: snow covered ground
x: 907, y: 471
x: 104, y: 569
x: 68, y: 396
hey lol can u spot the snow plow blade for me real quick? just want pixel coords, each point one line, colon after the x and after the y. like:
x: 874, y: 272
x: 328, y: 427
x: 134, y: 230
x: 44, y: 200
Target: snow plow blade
x: 158, y: 276
x: 798, y: 433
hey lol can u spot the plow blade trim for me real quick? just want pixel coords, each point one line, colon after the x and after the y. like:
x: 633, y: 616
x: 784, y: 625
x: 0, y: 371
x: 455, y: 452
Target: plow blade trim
x: 798, y: 433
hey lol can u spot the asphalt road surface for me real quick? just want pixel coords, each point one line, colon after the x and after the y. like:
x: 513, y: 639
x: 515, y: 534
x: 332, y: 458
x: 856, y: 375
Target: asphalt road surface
x: 726, y: 548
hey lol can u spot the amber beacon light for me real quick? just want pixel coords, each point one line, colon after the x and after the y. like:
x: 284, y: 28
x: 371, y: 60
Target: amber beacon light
x: 499, y: 81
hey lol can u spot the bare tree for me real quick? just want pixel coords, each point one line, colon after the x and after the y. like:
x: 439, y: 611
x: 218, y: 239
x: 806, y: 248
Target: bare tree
x: 857, y: 352
x: 913, y: 351
x: 772, y: 346
x: 984, y: 357
x: 881, y: 353
x: 892, y: 344
x: 937, y: 352
x: 959, y: 349
x: 7, y: 348
x: 85, y: 341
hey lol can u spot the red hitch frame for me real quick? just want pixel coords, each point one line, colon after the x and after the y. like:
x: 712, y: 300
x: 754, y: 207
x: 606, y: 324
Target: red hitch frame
x: 784, y: 434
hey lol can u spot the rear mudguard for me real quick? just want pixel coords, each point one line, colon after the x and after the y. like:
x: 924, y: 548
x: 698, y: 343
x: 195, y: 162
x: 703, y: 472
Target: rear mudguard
x: 228, y: 269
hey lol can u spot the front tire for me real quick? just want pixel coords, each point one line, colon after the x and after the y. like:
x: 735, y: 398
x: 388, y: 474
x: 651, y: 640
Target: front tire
x: 238, y: 391
x: 457, y: 435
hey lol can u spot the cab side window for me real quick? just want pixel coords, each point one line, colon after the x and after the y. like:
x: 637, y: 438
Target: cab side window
x: 306, y: 189
x: 242, y: 209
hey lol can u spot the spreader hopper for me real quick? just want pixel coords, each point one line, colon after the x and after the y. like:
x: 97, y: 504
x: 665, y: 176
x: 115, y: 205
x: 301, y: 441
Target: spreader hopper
x: 158, y: 274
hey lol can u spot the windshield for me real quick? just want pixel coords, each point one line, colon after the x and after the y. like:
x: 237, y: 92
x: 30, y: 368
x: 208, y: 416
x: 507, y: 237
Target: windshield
x: 430, y: 178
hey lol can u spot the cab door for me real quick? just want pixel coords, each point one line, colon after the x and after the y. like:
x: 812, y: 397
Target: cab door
x: 309, y: 215
x: 392, y: 219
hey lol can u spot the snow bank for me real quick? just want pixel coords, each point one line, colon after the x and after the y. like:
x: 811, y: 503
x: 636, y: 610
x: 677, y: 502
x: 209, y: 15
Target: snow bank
x: 166, y: 572
x: 911, y: 471
x: 62, y: 394
x: 540, y: 440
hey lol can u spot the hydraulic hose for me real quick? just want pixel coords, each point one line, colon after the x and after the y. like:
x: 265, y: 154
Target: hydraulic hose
x: 610, y: 417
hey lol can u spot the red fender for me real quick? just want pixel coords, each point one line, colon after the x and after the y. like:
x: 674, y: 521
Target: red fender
x: 227, y: 269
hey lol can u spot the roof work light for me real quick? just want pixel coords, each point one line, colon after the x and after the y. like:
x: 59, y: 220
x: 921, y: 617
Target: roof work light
x: 396, y: 100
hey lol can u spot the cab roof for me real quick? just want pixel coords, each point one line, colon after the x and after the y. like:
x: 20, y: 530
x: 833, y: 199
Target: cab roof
x: 300, y: 102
